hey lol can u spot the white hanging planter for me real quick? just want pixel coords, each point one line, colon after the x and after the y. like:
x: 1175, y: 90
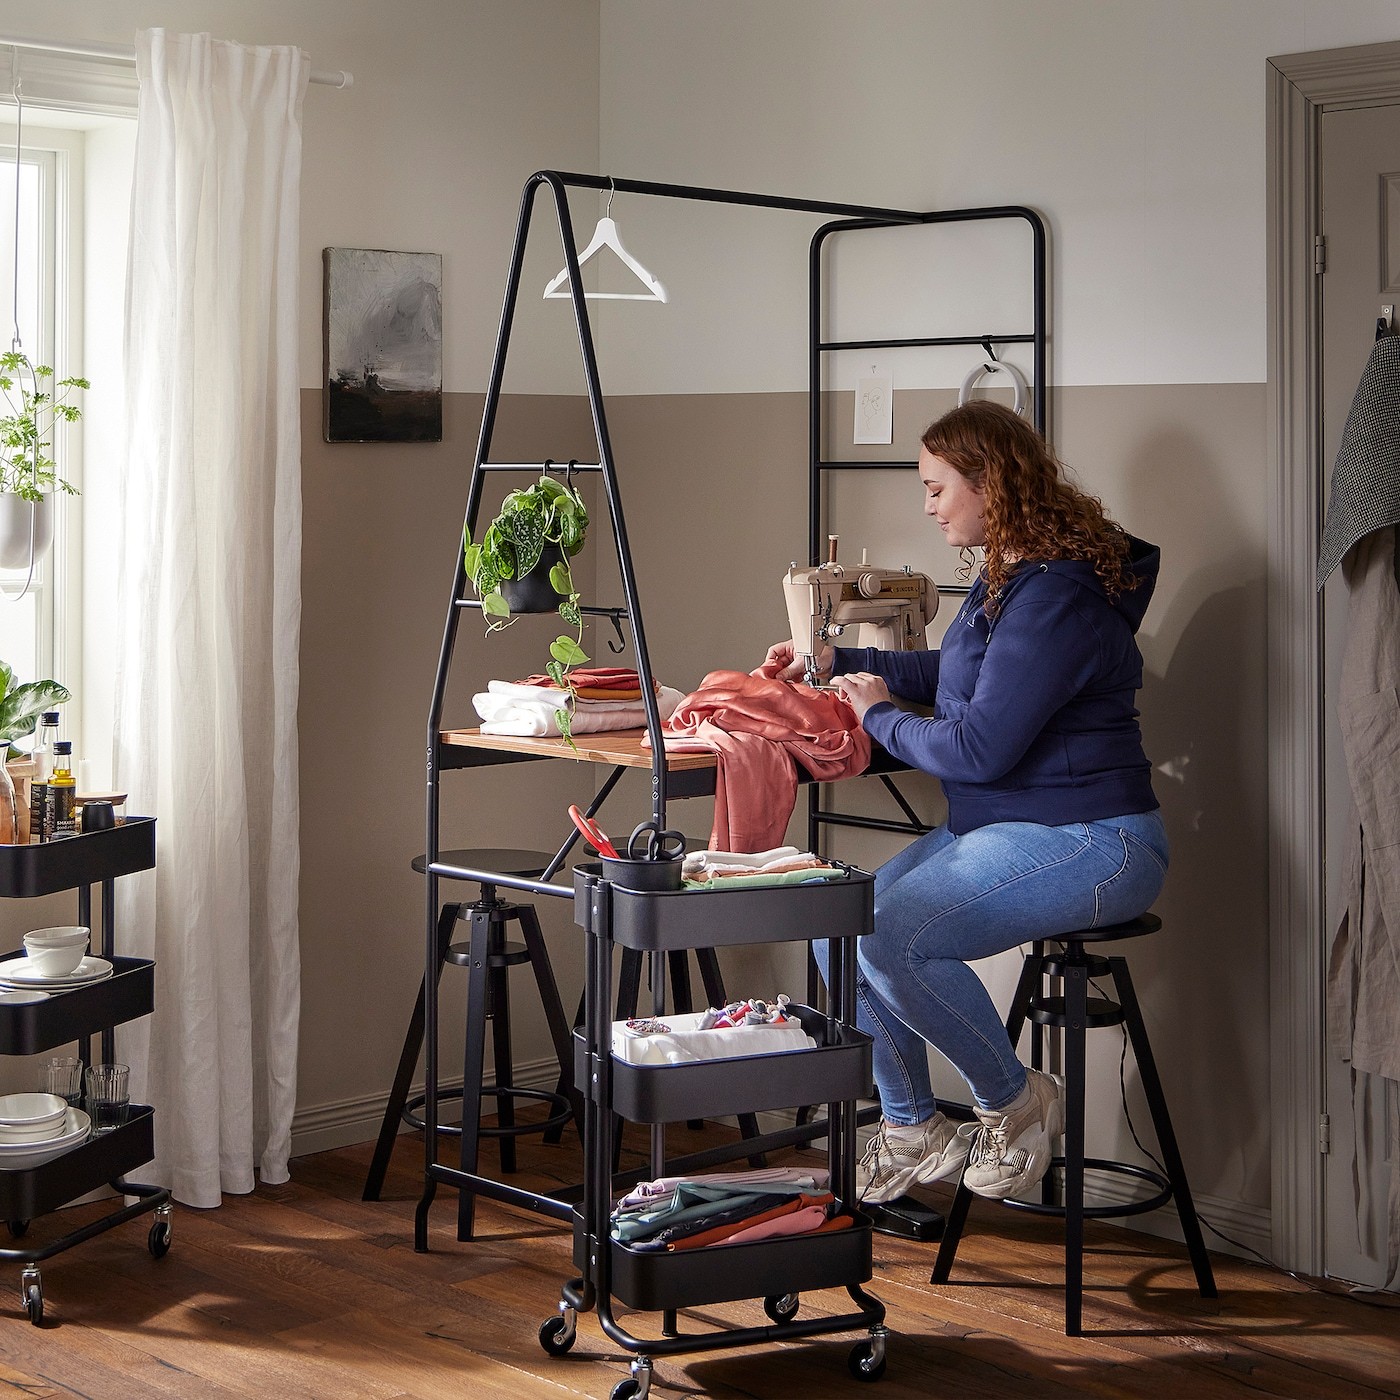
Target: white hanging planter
x: 25, y: 526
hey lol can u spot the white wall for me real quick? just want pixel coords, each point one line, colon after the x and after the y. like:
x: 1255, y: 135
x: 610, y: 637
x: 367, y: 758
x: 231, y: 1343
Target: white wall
x: 1136, y: 127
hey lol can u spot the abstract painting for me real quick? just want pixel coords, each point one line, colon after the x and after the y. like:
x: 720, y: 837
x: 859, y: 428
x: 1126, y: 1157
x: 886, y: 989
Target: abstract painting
x: 383, y: 346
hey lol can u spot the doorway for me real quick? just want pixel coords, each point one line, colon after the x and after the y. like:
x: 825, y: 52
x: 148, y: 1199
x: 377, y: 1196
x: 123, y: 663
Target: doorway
x: 1307, y: 363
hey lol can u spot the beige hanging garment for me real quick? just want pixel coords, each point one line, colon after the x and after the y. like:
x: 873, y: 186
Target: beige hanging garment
x: 1364, y: 972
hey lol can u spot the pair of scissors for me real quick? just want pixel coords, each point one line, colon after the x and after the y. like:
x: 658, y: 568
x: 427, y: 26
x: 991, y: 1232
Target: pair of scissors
x: 593, y: 833
x: 649, y: 842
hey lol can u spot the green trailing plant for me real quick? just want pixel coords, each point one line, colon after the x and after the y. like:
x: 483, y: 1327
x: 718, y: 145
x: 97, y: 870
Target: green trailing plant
x: 21, y: 706
x: 27, y: 426
x: 549, y: 514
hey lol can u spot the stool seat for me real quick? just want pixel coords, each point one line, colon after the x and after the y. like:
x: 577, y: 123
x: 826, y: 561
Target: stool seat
x: 507, y: 860
x: 1109, y: 933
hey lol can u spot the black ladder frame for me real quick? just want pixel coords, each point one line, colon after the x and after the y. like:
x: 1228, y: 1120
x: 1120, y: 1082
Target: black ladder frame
x: 441, y: 757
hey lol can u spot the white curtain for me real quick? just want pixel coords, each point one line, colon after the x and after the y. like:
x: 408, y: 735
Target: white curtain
x: 210, y: 605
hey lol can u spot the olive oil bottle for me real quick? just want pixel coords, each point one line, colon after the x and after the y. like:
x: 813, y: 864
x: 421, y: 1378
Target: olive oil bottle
x: 63, y: 792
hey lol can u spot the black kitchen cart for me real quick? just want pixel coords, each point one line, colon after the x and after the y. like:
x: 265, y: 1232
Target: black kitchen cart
x: 80, y: 1014
x: 837, y: 1071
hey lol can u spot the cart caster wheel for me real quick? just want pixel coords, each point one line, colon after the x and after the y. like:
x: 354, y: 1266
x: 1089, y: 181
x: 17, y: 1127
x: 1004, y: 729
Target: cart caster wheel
x: 557, y: 1335
x: 627, y: 1390
x: 782, y: 1309
x: 158, y: 1241
x: 865, y: 1364
x: 18, y: 1228
x: 34, y: 1302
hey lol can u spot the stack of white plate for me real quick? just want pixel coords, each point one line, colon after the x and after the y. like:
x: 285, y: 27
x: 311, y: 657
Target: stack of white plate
x: 20, y: 972
x: 34, y: 1128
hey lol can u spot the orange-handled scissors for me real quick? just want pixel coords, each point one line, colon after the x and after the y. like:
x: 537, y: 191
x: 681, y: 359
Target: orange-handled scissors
x: 592, y: 833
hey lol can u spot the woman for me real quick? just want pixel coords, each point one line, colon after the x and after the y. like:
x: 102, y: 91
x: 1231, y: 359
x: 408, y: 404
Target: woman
x: 1052, y: 823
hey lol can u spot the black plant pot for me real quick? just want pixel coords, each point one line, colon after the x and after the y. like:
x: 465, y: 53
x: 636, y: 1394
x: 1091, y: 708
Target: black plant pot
x: 534, y: 593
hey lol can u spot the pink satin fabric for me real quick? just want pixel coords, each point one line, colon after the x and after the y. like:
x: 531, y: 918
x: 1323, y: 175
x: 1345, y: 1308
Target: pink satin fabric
x: 760, y: 728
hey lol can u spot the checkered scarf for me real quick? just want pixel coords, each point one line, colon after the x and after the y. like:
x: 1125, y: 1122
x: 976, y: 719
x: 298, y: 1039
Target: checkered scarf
x: 1366, y: 478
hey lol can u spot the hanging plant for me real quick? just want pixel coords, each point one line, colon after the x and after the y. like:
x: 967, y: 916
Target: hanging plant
x: 522, y: 565
x: 27, y: 466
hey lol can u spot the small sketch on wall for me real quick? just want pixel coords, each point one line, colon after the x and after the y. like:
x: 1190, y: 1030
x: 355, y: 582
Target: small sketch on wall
x: 874, y: 409
x: 382, y: 336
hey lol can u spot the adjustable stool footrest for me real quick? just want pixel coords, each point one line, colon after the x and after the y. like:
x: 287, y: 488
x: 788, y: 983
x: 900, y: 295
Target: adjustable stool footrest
x: 1163, y: 1192
x: 562, y: 1111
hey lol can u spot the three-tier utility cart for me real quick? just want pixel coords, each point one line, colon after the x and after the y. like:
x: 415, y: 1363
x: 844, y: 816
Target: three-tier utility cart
x: 837, y: 1072
x: 80, y: 1014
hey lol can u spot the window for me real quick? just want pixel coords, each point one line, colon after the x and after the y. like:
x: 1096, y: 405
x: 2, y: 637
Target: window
x: 36, y: 308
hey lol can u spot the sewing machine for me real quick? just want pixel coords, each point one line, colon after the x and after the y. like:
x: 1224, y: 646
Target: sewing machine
x: 889, y: 608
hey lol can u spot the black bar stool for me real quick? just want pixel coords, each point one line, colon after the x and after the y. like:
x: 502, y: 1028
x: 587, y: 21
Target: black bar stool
x: 494, y: 993
x: 1076, y: 1012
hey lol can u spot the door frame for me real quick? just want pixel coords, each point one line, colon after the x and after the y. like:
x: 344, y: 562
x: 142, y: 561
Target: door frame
x: 1301, y: 87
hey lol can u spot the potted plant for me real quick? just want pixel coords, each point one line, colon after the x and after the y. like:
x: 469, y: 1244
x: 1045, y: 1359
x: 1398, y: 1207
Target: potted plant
x: 20, y: 708
x: 27, y: 476
x: 522, y: 565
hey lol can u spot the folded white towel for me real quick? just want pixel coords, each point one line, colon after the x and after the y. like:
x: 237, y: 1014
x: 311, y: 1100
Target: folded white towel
x: 698, y: 864
x: 533, y: 711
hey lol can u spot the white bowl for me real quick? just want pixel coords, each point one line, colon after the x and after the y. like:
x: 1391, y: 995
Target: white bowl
x: 56, y: 937
x: 31, y: 1110
x: 13, y: 997
x: 10, y: 1135
x: 54, y: 962
x: 21, y: 1156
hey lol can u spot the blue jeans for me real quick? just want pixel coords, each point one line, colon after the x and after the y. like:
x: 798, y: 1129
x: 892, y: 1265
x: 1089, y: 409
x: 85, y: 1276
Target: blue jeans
x: 948, y: 900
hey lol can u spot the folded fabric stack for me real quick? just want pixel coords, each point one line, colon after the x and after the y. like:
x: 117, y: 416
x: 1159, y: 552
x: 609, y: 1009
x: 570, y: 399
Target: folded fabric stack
x: 707, y: 1035
x: 783, y: 865
x: 531, y: 707
x: 700, y: 1212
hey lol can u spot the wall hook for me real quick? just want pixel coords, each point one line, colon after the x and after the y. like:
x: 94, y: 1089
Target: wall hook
x: 619, y: 646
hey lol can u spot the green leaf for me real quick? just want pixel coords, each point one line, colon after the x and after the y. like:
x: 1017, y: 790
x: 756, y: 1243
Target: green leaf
x: 471, y: 559
x: 7, y: 679
x: 567, y: 651
x: 555, y: 671
x: 494, y: 604
x: 529, y: 540
x: 569, y: 611
x: 560, y: 580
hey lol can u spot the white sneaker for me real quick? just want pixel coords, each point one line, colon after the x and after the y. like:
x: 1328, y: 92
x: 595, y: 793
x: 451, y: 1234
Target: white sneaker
x: 1012, y: 1148
x: 897, y: 1158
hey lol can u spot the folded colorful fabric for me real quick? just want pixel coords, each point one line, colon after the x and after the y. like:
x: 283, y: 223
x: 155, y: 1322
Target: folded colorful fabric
x: 685, y: 1041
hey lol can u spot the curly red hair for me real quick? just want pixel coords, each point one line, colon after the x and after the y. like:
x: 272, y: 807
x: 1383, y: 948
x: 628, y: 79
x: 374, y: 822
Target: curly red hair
x: 1032, y: 511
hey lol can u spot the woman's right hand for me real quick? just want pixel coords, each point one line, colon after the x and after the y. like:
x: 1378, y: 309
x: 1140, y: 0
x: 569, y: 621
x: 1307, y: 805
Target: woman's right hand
x: 784, y: 664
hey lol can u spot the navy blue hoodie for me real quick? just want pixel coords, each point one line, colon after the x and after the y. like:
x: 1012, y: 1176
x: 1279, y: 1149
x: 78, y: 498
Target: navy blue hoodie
x: 1033, y: 710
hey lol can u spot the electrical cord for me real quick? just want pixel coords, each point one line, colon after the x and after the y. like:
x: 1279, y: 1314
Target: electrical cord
x: 1356, y: 1293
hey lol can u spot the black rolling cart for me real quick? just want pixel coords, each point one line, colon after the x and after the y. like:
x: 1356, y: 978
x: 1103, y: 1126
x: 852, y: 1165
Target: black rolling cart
x: 837, y: 1071
x: 80, y: 1014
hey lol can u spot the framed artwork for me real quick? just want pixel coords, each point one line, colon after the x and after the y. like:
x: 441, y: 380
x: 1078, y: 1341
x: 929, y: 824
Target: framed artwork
x: 382, y: 337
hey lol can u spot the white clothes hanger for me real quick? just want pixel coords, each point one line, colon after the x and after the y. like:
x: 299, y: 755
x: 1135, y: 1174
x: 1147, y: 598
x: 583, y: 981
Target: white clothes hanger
x: 991, y: 367
x: 606, y: 236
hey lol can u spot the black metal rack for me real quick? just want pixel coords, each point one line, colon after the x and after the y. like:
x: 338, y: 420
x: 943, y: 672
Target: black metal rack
x: 836, y: 1072
x: 79, y: 1014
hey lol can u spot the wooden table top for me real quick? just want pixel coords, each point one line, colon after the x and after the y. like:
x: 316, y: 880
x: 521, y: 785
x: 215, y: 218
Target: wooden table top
x: 620, y: 747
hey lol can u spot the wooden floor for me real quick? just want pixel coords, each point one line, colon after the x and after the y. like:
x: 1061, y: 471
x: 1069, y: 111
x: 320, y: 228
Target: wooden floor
x: 303, y: 1290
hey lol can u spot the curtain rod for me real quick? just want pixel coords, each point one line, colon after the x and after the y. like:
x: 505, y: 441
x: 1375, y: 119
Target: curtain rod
x: 327, y: 77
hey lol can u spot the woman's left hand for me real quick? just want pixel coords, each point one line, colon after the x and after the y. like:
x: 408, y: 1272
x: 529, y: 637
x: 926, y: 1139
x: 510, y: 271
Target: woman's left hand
x: 861, y: 690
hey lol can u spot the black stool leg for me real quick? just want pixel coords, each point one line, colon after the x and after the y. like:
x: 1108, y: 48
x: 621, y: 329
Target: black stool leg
x: 1161, y: 1121
x: 1027, y: 986
x: 473, y: 1062
x: 1076, y: 981
x: 408, y: 1062
x: 498, y: 1013
x: 553, y: 1014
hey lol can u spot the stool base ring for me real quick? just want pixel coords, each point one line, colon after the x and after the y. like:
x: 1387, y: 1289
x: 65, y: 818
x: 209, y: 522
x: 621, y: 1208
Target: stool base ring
x: 563, y: 1112
x: 1161, y: 1197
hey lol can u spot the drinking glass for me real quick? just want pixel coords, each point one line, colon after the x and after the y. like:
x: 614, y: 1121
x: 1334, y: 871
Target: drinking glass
x: 64, y: 1076
x: 107, y: 1097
